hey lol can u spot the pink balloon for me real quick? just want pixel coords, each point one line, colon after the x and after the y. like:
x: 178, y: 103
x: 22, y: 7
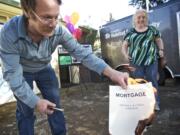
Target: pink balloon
x: 67, y: 19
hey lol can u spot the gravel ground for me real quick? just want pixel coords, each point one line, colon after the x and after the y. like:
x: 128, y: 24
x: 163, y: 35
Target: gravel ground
x: 86, y: 112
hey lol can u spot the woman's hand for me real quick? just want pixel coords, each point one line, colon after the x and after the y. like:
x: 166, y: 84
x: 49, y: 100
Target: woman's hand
x: 161, y: 53
x: 127, y: 58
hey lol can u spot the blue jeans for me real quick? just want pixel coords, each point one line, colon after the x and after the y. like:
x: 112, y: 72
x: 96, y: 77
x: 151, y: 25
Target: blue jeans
x: 148, y: 73
x: 48, y: 85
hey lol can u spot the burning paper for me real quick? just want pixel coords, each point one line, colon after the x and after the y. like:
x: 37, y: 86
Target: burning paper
x: 128, y: 107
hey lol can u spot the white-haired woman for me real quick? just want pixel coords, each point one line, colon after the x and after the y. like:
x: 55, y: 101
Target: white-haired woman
x: 141, y: 47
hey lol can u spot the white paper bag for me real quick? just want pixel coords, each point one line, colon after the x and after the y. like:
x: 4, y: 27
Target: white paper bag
x: 127, y: 107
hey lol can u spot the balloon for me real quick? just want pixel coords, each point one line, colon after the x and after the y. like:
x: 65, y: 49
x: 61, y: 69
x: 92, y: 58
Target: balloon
x: 70, y: 27
x: 77, y: 33
x: 67, y: 19
x: 74, y: 18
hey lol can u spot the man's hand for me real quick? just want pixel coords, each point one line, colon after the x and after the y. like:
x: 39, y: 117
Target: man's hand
x: 118, y: 77
x: 45, y: 106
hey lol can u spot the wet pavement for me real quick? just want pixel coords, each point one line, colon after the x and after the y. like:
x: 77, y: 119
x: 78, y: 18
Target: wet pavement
x: 86, y: 112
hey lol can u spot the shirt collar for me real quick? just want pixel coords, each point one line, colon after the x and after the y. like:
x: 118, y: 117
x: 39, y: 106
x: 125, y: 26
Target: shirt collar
x: 22, y: 32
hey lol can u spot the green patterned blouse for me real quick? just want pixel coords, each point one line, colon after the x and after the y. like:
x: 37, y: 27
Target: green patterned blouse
x: 141, y: 45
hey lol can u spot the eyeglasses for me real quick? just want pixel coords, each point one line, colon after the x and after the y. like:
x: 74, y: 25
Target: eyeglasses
x: 46, y: 20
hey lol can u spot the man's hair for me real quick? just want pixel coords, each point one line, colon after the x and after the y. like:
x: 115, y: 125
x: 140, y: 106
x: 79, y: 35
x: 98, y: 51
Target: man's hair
x: 29, y: 5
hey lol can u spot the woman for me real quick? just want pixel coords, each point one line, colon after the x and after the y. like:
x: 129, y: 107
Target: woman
x: 141, y: 47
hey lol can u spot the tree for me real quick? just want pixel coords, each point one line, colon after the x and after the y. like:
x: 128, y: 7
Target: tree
x: 142, y: 3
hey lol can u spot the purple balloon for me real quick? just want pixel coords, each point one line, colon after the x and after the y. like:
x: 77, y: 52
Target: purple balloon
x: 70, y: 27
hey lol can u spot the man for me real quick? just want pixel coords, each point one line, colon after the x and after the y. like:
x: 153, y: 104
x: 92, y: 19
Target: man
x: 26, y: 45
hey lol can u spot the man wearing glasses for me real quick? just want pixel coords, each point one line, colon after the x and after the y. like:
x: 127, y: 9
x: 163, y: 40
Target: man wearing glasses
x: 26, y: 45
